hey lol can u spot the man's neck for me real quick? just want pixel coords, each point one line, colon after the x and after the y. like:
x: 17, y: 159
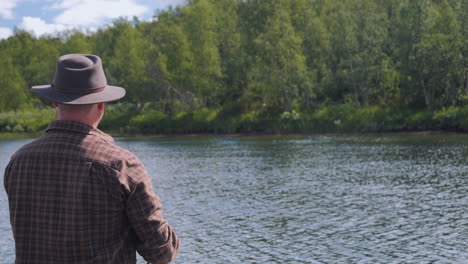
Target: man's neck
x: 81, y: 120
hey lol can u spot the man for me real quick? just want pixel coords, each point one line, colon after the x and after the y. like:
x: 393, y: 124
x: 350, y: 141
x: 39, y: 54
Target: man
x: 76, y: 197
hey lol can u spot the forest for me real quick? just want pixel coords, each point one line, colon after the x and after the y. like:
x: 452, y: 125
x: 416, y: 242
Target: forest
x: 243, y: 66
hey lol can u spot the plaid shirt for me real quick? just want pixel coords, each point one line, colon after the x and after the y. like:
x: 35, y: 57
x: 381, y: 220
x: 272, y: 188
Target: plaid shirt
x: 76, y: 197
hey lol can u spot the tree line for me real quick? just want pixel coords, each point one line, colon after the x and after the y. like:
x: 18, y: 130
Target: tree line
x: 279, y: 56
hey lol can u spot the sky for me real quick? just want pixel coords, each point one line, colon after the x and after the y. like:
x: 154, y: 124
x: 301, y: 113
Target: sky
x: 49, y: 16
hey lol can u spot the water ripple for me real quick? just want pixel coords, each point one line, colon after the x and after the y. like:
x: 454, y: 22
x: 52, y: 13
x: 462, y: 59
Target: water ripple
x: 322, y: 199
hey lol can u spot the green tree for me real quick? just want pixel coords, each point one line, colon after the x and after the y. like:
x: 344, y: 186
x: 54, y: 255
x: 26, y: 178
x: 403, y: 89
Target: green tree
x: 336, y: 43
x: 34, y: 58
x: 366, y: 55
x: 12, y: 93
x: 442, y: 45
x: 76, y: 42
x: 462, y: 15
x: 431, y: 51
x: 317, y: 44
x: 200, y: 26
x: 280, y: 74
x: 127, y: 64
x: 246, y: 55
x: 170, y: 62
x: 229, y: 46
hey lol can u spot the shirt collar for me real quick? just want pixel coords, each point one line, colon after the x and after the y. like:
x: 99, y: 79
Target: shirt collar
x: 79, y: 127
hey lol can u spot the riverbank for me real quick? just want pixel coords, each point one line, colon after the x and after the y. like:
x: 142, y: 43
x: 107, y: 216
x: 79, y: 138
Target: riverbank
x: 337, y: 119
x: 19, y: 136
x: 120, y: 120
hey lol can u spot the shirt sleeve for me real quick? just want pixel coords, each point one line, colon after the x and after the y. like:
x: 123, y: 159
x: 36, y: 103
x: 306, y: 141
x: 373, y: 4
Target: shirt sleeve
x: 6, y: 177
x: 157, y: 241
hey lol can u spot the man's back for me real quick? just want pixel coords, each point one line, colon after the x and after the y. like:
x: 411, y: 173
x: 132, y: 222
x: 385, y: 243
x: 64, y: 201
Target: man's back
x: 75, y: 197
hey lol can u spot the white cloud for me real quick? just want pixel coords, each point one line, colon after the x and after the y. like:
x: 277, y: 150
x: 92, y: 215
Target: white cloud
x: 85, y: 15
x: 96, y: 12
x: 173, y: 2
x: 5, y: 33
x: 6, y: 7
x: 39, y: 27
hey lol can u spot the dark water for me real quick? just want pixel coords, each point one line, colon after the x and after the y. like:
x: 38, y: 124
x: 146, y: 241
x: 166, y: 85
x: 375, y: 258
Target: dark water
x: 319, y: 199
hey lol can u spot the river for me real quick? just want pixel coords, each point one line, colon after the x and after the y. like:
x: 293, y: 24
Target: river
x: 304, y: 199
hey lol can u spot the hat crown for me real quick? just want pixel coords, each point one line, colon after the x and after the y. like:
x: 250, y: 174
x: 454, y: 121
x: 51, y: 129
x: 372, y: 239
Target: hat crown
x: 77, y: 62
x: 79, y: 73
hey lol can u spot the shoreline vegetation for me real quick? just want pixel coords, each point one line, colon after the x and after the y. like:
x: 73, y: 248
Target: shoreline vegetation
x: 261, y: 67
x: 119, y: 121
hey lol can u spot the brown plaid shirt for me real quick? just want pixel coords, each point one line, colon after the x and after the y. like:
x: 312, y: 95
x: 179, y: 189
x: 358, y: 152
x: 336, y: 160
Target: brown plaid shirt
x: 76, y: 197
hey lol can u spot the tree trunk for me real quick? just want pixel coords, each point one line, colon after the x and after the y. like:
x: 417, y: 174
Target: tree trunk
x: 182, y: 96
x: 452, y: 92
x: 428, y: 94
x: 354, y: 85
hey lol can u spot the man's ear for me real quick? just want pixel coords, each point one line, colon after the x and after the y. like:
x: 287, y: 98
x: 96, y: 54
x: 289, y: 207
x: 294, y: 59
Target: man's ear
x: 101, y: 106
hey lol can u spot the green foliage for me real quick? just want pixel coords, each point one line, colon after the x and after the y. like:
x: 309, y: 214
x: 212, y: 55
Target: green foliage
x: 26, y: 121
x: 77, y: 42
x: 452, y: 118
x: 117, y: 117
x: 12, y: 93
x: 421, y: 120
x: 264, y: 66
x: 148, y: 122
x: 279, y: 73
x: 200, y: 26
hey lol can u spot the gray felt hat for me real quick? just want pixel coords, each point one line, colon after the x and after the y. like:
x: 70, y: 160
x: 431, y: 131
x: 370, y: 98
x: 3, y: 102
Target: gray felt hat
x: 79, y: 79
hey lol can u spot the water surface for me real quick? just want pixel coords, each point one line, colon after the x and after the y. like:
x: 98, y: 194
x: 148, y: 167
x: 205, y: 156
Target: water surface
x: 314, y: 199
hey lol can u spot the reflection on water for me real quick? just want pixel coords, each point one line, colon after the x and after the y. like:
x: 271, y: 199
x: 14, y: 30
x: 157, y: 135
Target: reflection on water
x: 333, y: 199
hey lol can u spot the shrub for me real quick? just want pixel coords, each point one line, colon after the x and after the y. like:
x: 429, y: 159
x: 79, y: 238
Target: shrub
x: 420, y: 120
x: 204, y: 120
x: 117, y: 118
x: 26, y: 121
x: 148, y: 122
x: 463, y: 118
x: 447, y: 118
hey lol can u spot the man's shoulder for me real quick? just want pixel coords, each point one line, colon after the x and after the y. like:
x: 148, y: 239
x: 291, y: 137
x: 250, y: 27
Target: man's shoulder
x: 118, y: 152
x: 35, y: 144
x: 88, y: 148
x: 109, y: 153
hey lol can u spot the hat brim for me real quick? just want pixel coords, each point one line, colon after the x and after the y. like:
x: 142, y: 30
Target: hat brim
x: 108, y: 94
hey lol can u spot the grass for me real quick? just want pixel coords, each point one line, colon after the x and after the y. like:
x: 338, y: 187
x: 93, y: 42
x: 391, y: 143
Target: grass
x: 121, y: 120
